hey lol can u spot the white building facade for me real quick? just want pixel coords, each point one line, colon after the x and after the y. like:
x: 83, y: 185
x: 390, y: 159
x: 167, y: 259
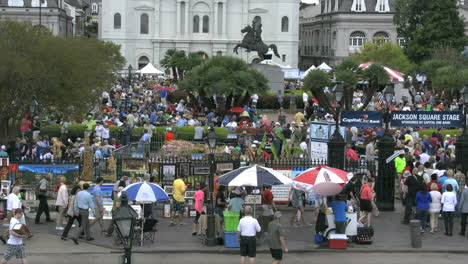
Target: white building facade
x: 146, y: 29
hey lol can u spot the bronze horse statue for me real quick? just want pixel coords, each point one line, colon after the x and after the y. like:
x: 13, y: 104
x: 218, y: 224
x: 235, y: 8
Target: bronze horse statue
x: 251, y: 44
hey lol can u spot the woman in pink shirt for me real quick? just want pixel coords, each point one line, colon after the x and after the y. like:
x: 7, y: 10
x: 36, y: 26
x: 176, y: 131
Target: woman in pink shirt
x: 366, y: 202
x: 199, y: 200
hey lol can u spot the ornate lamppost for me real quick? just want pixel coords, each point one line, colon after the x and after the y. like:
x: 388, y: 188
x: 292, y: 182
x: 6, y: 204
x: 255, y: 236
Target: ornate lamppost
x: 124, y: 221
x: 130, y: 69
x: 210, y: 232
x: 385, y: 183
x: 461, y: 146
x: 33, y: 107
x: 336, y: 145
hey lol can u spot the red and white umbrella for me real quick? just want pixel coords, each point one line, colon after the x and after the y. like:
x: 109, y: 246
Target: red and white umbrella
x: 395, y: 76
x: 323, y: 180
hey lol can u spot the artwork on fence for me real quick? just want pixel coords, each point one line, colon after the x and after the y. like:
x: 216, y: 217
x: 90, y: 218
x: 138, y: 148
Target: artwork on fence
x: 4, y: 172
x: 184, y: 169
x: 224, y: 167
x: 168, y: 173
x: 318, y: 150
x: 154, y: 171
x: 281, y: 192
x: 203, y: 170
x: 134, y: 165
x: 319, y: 131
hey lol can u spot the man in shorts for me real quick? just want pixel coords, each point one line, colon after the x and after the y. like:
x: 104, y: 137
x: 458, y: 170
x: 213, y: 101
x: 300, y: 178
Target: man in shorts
x: 247, y: 230
x: 275, y: 239
x: 177, y: 209
x: 15, y: 245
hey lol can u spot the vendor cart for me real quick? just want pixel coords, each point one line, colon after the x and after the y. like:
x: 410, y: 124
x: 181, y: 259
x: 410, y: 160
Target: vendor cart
x: 351, y: 226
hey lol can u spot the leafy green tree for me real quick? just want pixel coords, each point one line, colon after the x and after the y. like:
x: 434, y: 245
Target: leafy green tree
x: 425, y: 25
x: 69, y: 74
x: 446, y: 70
x: 227, y: 76
x: 388, y: 54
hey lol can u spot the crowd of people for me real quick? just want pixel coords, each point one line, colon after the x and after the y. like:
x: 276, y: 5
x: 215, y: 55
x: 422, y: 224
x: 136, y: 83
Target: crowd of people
x: 428, y: 182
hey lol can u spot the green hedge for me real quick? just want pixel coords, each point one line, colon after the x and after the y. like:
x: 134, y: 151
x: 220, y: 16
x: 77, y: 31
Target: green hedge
x: 451, y: 132
x: 183, y: 133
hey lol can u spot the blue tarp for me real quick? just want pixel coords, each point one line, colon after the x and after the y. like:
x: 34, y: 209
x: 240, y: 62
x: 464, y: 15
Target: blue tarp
x: 48, y: 168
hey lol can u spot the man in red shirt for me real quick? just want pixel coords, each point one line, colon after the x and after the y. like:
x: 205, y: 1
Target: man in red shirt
x: 351, y: 154
x: 267, y: 205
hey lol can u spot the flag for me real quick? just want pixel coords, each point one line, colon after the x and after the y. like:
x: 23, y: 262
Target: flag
x: 262, y: 145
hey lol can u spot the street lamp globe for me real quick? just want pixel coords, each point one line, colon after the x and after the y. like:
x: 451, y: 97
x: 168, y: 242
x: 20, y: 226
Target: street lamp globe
x: 464, y: 94
x: 339, y: 92
x: 389, y: 93
x: 33, y: 106
x: 124, y: 220
x: 211, y: 139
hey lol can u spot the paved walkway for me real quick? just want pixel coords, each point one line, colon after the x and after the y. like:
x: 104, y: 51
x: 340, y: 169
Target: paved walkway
x: 390, y: 235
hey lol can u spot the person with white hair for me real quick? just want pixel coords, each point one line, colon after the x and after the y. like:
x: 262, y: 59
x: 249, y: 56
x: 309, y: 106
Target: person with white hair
x: 247, y: 230
x: 3, y: 153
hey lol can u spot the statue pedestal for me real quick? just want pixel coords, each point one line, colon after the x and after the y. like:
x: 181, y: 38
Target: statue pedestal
x: 292, y: 108
x: 274, y: 75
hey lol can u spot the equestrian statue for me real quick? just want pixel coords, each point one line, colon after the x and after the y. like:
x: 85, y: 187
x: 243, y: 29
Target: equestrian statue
x: 252, y: 40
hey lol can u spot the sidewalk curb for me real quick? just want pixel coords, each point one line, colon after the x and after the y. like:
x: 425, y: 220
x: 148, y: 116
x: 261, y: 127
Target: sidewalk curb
x: 265, y: 251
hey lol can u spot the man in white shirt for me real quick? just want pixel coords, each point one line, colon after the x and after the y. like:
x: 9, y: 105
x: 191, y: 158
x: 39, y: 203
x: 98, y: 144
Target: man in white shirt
x: 99, y: 129
x: 247, y: 229
x: 15, y: 245
x: 254, y: 98
x: 13, y: 201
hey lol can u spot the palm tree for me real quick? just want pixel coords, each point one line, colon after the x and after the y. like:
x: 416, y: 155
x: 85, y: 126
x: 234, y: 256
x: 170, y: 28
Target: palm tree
x: 347, y: 73
x: 378, y: 78
x: 316, y: 81
x: 174, y: 59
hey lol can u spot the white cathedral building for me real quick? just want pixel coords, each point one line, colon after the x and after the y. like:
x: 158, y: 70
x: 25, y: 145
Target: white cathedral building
x: 146, y: 29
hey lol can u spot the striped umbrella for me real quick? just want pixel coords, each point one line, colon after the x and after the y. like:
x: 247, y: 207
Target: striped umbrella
x: 253, y: 176
x: 146, y: 192
x: 323, y: 180
x: 394, y: 75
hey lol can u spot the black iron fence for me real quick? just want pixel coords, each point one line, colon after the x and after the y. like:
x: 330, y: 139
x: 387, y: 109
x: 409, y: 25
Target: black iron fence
x: 166, y: 168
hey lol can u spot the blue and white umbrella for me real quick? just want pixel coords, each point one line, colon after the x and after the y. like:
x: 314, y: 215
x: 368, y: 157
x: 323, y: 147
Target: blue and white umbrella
x: 146, y: 192
x: 253, y: 176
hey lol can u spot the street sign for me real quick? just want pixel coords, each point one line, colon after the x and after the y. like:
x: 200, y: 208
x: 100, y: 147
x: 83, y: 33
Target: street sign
x: 392, y: 157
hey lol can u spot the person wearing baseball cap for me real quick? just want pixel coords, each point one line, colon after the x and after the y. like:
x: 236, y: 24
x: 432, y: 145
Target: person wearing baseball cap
x: 3, y: 153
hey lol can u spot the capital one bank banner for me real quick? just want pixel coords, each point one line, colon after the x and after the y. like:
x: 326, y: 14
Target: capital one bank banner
x: 361, y: 118
x: 426, y: 119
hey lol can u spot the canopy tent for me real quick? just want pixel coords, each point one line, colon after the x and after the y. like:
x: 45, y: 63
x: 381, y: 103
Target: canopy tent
x: 394, y: 75
x: 150, y: 69
x: 308, y: 70
x: 324, y: 67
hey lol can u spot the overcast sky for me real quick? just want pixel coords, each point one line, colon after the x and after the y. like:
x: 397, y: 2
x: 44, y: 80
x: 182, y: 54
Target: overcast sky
x: 309, y: 1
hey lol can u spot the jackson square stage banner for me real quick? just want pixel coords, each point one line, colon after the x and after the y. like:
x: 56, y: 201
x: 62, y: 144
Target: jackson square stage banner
x: 426, y: 119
